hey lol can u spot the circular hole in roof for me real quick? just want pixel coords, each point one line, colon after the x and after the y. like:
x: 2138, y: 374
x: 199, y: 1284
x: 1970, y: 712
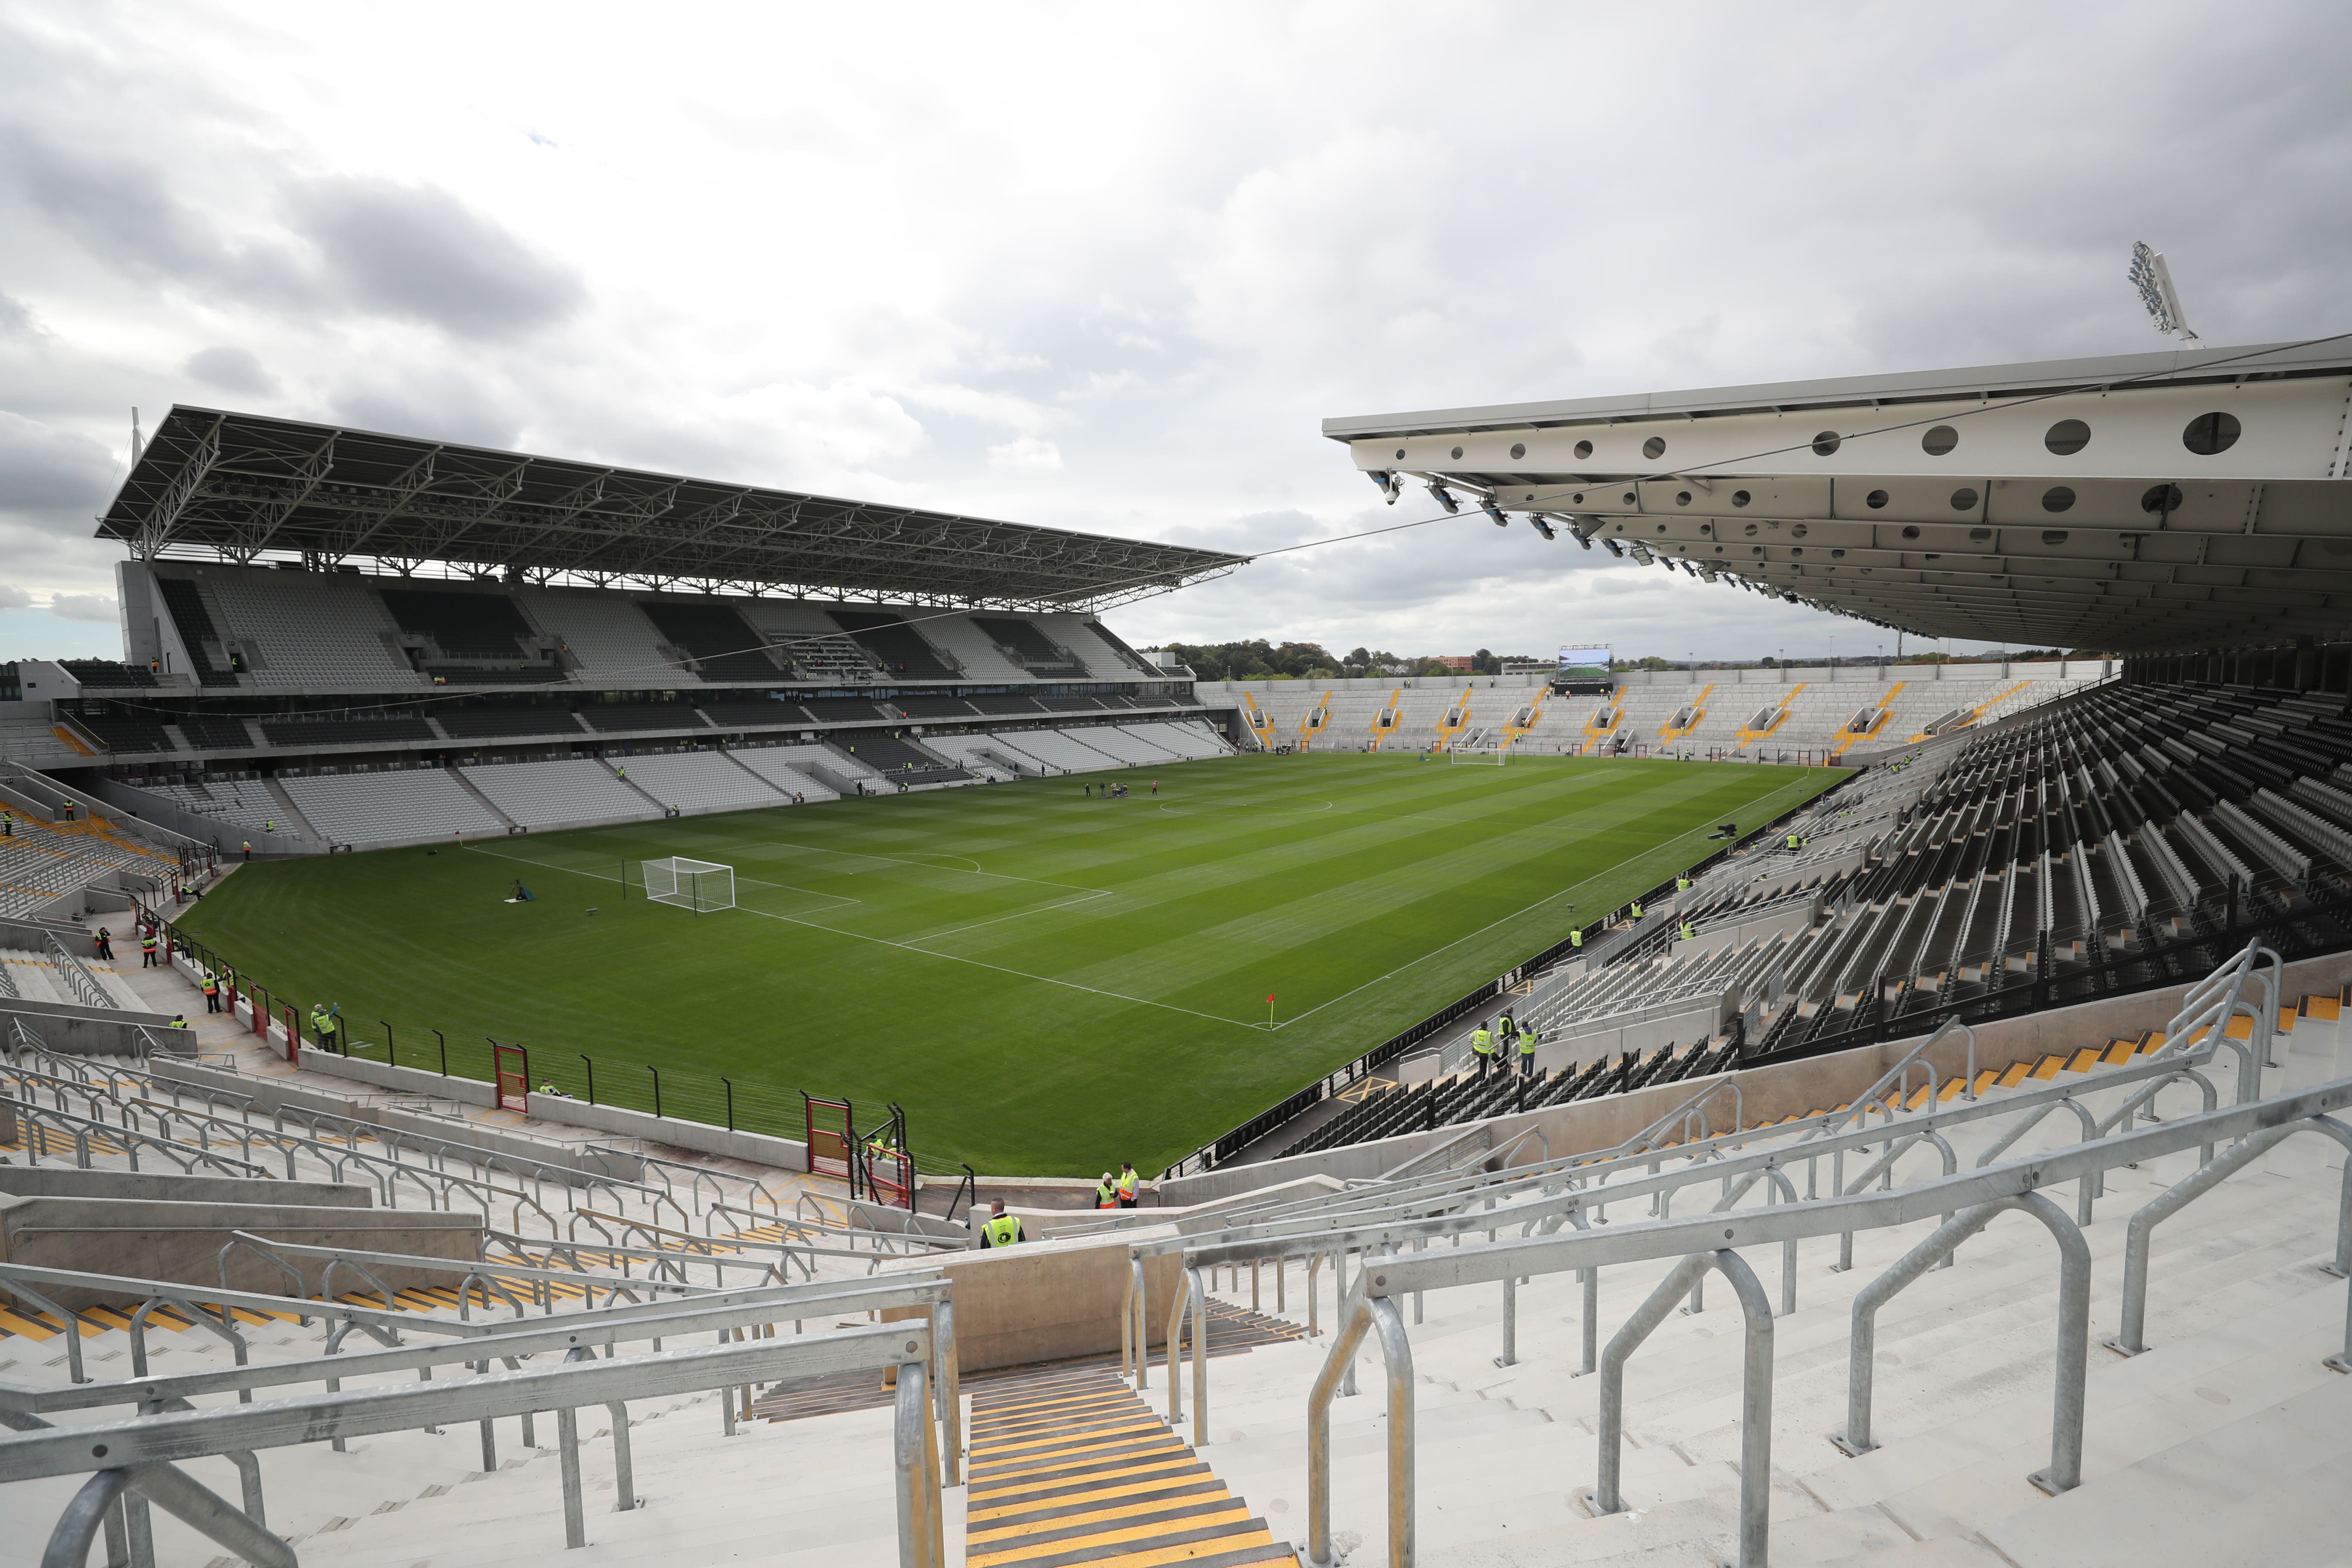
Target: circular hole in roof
x: 2209, y: 434
x: 2057, y: 498
x: 1837, y: 555
x: 1577, y: 498
x: 1655, y: 446
x: 1662, y: 528
x: 1629, y: 498
x: 1796, y: 550
x: 1797, y: 531
x: 1518, y: 449
x: 1457, y: 453
x: 1584, y: 449
x: 2161, y: 498
x: 1681, y: 498
x: 1741, y: 497
x: 1400, y: 451
x: 1874, y: 499
x: 1979, y: 536
x: 1910, y: 534
x: 1756, y: 550
x: 1826, y: 444
x: 1964, y: 500
x: 1938, y: 441
x: 1750, y: 530
x: 2067, y: 438
x: 2053, y: 536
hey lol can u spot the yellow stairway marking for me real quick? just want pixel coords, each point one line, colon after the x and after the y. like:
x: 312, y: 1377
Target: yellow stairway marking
x: 1070, y: 1468
x: 1773, y: 720
x: 1697, y: 705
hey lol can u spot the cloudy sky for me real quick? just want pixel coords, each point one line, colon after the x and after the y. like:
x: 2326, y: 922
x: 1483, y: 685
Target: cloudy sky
x: 1108, y: 266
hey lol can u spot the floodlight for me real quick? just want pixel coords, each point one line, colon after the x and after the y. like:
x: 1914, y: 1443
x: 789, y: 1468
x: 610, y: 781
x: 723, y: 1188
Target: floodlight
x: 1486, y: 504
x: 1613, y: 548
x: 1640, y: 554
x: 1390, y: 485
x: 2153, y: 279
x: 1542, y: 527
x: 1444, y: 496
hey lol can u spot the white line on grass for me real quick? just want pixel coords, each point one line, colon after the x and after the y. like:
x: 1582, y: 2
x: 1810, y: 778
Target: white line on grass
x: 910, y: 947
x: 1490, y: 925
x: 604, y: 876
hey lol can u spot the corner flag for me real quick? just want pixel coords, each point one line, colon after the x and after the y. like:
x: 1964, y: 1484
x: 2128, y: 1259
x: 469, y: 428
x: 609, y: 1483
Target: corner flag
x: 1269, y: 1009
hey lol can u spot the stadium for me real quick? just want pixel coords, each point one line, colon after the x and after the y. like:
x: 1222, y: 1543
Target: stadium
x: 612, y: 910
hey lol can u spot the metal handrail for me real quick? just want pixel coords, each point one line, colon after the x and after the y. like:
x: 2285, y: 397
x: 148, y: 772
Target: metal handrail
x: 1716, y: 1236
x: 1813, y: 1135
x: 83, y: 1128
x: 78, y: 980
x: 142, y: 1454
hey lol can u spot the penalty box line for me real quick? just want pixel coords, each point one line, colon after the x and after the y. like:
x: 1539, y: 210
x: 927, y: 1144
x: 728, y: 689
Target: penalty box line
x: 908, y: 947
x: 608, y: 877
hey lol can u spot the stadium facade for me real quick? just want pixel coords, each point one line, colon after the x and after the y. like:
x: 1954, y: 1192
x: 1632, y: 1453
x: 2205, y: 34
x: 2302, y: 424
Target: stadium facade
x: 335, y: 638
x: 2000, y: 1086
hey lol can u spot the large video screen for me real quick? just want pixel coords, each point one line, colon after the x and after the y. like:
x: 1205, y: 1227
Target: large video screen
x: 1584, y: 661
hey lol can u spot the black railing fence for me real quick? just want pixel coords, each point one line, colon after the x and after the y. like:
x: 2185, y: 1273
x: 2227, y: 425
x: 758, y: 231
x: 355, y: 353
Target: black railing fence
x: 745, y: 1105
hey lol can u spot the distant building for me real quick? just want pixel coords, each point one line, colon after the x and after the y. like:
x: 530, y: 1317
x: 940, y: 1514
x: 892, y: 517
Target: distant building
x: 1459, y: 663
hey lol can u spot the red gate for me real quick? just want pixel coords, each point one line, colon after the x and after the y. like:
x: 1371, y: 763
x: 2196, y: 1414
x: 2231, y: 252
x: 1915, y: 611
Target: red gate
x: 511, y: 1070
x: 831, y: 1133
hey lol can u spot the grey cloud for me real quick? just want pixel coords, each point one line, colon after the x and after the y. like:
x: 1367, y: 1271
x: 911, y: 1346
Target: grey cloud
x: 231, y: 370
x: 123, y: 211
x: 47, y: 474
x: 82, y: 607
x: 416, y: 251
x: 13, y: 597
x: 16, y: 319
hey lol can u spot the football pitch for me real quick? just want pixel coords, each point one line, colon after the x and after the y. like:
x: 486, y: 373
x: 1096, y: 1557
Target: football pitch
x: 1048, y: 983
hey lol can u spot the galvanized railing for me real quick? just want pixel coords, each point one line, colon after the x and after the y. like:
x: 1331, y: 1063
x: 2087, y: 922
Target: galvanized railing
x: 1965, y: 1201
x: 138, y: 1458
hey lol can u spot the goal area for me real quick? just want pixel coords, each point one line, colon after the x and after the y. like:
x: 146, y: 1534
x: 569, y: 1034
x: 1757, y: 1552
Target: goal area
x: 696, y: 885
x: 1485, y: 754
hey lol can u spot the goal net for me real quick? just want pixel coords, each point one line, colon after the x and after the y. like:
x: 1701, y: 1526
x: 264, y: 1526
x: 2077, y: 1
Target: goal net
x: 1478, y: 746
x: 696, y: 885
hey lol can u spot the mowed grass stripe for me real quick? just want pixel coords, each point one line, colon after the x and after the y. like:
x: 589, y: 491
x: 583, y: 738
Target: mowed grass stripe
x: 1354, y: 917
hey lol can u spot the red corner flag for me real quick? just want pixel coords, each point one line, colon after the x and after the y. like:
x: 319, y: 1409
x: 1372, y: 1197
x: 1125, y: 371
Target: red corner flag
x: 1269, y: 996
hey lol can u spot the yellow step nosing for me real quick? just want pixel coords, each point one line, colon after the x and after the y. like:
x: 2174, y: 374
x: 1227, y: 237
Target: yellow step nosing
x: 1237, y: 1512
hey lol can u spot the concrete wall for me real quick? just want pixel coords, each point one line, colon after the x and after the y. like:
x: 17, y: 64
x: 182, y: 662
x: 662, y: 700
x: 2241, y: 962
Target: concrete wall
x: 783, y: 1154
x: 75, y: 1030
x: 181, y: 1242
x: 1767, y: 1093
x: 51, y: 1181
x: 273, y: 1094
x: 1046, y: 1300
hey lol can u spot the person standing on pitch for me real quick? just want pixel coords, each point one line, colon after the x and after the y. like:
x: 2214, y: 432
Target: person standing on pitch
x: 1482, y: 1046
x: 1128, y: 1182
x: 1002, y: 1229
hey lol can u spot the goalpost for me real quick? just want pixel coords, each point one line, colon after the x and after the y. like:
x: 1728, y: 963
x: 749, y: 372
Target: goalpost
x: 1477, y: 747
x: 696, y: 885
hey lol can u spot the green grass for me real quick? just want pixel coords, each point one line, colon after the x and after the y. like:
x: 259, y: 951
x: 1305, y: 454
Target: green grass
x: 1049, y: 983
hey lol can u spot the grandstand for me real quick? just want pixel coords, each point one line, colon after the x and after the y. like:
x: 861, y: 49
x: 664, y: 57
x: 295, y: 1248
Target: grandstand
x: 2002, y: 1082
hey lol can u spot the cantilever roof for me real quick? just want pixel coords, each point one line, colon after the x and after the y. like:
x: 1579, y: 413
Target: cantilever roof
x: 2330, y: 356
x: 221, y: 485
